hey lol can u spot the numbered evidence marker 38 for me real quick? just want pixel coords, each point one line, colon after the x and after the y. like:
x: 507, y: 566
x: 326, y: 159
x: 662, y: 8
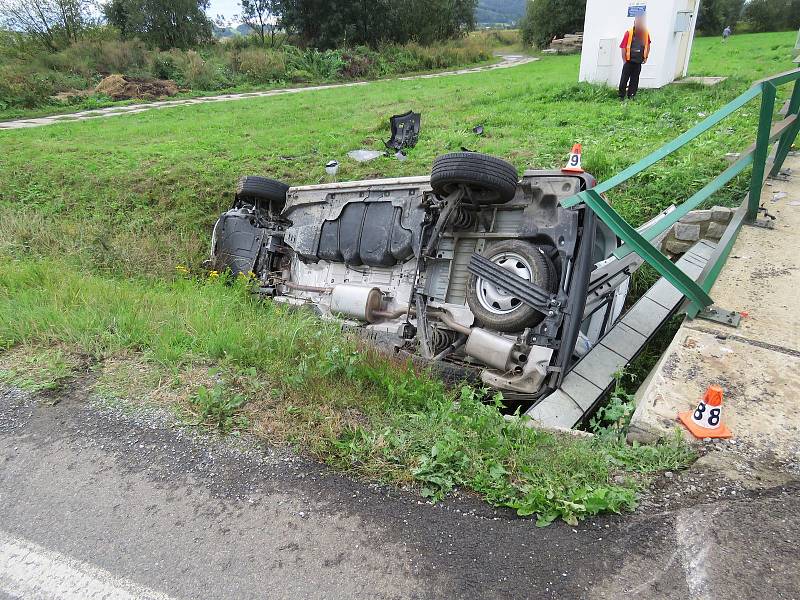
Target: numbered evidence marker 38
x: 706, y: 420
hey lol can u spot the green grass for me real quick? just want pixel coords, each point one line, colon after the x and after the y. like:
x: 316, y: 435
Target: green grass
x: 138, y: 194
x: 96, y: 215
x: 284, y: 374
x: 38, y: 368
x: 31, y: 79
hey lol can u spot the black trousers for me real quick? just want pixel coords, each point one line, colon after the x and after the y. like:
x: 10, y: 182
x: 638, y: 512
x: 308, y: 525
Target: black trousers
x: 629, y: 83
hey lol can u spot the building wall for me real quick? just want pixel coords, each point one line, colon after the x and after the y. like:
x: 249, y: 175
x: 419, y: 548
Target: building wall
x: 606, y: 23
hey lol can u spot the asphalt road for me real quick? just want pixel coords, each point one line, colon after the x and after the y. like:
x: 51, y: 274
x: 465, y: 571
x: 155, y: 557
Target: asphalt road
x: 104, y: 503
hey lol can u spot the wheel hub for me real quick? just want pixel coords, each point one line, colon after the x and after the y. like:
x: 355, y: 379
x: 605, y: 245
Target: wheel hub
x: 494, y: 298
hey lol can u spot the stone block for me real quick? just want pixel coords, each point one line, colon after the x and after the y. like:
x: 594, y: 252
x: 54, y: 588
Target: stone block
x: 687, y: 232
x: 716, y: 230
x: 697, y: 216
x: 721, y: 214
x: 677, y: 247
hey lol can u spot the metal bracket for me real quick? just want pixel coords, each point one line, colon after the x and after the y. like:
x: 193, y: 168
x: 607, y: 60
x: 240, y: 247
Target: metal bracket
x: 762, y: 223
x: 720, y: 315
x: 782, y: 175
x: 768, y: 222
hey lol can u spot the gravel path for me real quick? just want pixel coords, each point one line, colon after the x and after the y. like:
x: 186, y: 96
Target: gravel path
x: 507, y: 60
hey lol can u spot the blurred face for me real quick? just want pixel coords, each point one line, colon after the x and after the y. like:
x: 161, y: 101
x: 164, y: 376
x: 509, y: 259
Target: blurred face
x: 640, y: 22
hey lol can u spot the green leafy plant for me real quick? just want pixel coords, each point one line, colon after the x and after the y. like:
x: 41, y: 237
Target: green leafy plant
x: 613, y: 418
x: 219, y: 408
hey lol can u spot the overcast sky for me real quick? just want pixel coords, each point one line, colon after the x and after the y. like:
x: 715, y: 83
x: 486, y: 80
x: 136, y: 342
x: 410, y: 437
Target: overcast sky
x: 228, y: 8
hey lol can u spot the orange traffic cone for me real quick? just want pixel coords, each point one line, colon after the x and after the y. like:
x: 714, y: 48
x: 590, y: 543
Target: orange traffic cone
x: 574, y: 162
x: 706, y: 420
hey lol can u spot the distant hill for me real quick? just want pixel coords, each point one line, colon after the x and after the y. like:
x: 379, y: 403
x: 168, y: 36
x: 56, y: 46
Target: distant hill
x: 499, y: 11
x: 228, y: 32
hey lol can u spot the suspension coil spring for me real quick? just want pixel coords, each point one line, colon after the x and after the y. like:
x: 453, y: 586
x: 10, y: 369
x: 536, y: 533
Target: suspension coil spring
x: 441, y: 338
x: 462, y: 218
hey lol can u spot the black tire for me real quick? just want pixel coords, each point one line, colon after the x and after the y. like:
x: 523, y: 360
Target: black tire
x: 516, y: 315
x: 252, y: 188
x: 494, y: 179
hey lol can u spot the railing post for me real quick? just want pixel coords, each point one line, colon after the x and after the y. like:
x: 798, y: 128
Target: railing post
x: 788, y: 137
x: 665, y: 267
x: 762, y: 148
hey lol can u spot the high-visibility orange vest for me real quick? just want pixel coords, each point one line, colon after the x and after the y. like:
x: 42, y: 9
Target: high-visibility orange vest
x: 645, y: 39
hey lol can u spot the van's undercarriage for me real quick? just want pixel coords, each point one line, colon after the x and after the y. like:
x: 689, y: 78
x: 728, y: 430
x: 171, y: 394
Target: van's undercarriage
x: 470, y: 266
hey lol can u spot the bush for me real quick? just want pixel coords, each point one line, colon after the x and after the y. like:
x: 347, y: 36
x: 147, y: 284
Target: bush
x: 546, y: 19
x: 164, y: 66
x: 772, y: 15
x: 29, y: 77
x: 197, y: 73
x: 26, y: 90
x: 715, y: 15
x: 262, y: 66
x: 88, y: 58
x: 317, y: 65
x: 360, y: 63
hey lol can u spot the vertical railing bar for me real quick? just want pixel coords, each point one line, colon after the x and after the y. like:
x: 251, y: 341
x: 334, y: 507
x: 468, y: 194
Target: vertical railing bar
x: 652, y: 255
x: 788, y: 137
x: 762, y: 148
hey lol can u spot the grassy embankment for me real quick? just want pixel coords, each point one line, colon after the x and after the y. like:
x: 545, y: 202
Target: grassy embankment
x: 35, y: 82
x: 96, y: 215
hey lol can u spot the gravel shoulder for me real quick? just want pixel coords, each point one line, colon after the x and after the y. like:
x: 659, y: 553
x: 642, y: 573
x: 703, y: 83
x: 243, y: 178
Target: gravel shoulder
x: 192, y: 515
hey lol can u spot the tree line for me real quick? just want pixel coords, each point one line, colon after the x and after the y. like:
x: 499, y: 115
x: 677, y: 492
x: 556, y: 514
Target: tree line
x: 184, y: 23
x: 547, y: 19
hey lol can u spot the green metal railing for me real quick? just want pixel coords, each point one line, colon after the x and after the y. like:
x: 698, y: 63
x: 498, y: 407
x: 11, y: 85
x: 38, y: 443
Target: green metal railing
x: 757, y: 156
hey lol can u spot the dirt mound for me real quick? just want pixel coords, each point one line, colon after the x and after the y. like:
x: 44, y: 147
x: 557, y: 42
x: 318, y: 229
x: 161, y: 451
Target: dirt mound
x: 122, y: 87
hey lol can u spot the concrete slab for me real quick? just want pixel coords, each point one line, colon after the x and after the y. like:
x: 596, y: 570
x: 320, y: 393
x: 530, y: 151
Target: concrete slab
x: 757, y: 364
x: 581, y: 390
x: 599, y: 367
x: 762, y: 275
x: 558, y: 408
x: 762, y: 392
x: 623, y: 340
x: 708, y: 81
x: 645, y: 316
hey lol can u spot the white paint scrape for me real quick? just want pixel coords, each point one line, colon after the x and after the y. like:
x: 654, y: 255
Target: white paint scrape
x: 693, y: 529
x: 35, y: 573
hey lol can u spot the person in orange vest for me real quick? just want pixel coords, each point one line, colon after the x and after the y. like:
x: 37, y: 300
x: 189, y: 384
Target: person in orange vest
x: 635, y: 48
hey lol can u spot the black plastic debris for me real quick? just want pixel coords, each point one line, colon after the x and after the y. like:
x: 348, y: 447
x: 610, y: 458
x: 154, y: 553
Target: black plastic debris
x: 405, y: 130
x: 478, y: 130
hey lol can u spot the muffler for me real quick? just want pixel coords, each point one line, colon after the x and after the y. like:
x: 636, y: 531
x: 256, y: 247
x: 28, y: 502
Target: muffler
x: 357, y: 302
x: 494, y: 350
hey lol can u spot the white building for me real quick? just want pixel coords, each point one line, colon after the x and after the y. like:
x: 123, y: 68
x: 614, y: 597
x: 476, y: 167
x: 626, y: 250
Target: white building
x: 671, y: 25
